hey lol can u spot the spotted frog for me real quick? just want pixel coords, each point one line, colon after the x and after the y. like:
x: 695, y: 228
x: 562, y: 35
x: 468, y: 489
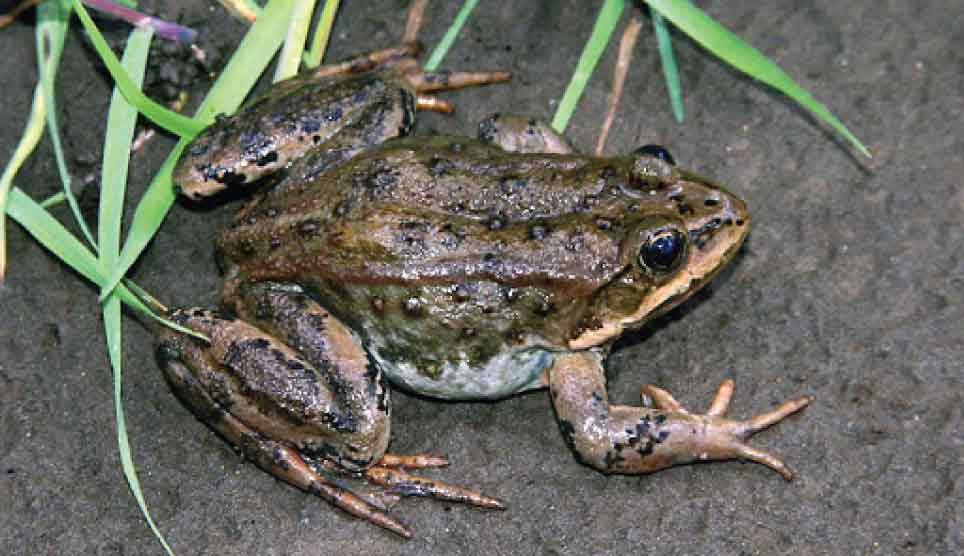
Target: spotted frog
x: 455, y: 268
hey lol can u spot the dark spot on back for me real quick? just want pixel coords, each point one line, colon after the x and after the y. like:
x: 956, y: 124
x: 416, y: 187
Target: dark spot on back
x: 439, y: 166
x: 310, y: 125
x: 413, y: 306
x: 308, y: 229
x: 538, y: 231
x: 267, y: 158
x: 461, y: 293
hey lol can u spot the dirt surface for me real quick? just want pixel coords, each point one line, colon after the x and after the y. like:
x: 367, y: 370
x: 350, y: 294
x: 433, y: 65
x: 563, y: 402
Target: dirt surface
x: 850, y: 289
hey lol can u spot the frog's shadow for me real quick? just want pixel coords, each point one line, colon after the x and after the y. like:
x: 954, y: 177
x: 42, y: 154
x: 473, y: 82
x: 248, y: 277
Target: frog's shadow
x: 640, y: 335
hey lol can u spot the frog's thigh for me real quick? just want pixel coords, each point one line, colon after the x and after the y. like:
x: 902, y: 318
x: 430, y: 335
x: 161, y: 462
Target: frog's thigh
x: 300, y: 379
x: 356, y: 385
x: 523, y: 135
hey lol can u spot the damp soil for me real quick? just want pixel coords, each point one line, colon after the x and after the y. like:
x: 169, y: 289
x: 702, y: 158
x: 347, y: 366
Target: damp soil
x: 849, y: 289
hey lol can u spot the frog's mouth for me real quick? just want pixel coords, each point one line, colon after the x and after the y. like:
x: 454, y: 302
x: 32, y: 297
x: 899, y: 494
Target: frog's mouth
x: 716, y: 232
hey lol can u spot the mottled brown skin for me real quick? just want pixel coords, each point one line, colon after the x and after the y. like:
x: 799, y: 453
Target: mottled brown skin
x: 453, y: 267
x: 479, y: 238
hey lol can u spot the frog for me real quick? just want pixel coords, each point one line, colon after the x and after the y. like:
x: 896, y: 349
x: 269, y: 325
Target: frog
x: 450, y: 267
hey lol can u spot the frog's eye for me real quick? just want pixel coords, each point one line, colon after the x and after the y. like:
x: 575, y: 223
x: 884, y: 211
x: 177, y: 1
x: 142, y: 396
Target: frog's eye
x: 663, y: 251
x: 655, y: 151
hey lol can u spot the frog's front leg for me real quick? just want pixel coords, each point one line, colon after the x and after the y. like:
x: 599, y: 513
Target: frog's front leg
x: 292, y: 388
x: 631, y: 440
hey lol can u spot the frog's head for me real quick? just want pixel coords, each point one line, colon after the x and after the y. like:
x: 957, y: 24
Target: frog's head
x: 683, y: 230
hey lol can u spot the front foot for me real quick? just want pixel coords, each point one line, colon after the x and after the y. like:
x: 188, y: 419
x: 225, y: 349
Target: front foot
x: 632, y: 440
x: 714, y: 437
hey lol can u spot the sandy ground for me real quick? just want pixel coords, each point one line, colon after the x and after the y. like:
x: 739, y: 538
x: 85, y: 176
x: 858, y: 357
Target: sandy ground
x: 850, y: 289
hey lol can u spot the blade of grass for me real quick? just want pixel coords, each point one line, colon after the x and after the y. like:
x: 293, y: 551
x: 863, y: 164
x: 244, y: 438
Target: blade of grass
x: 668, y: 62
x: 52, y: 20
x: 170, y: 120
x: 250, y: 59
x: 602, y: 30
x: 53, y: 200
x: 112, y: 325
x: 319, y: 41
x: 623, y: 60
x: 413, y: 23
x: 442, y: 48
x: 28, y: 142
x: 9, y: 17
x: 165, y: 29
x: 121, y: 119
x: 51, y: 234
x: 734, y: 51
x: 294, y: 45
x: 247, y: 10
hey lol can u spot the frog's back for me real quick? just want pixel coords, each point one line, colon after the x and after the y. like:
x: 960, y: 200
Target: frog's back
x: 440, y: 210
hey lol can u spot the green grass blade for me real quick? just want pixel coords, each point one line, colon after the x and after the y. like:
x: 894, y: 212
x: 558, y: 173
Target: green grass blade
x: 603, y: 29
x: 448, y: 39
x: 294, y: 46
x: 148, y: 216
x: 112, y: 326
x: 121, y: 119
x: 52, y: 20
x: 53, y: 200
x: 246, y: 10
x: 32, y: 133
x: 319, y: 41
x: 668, y: 61
x: 251, y: 58
x: 734, y: 51
x: 167, y: 119
x: 51, y: 234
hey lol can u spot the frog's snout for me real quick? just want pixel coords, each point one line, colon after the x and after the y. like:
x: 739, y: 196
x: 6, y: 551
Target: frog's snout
x: 717, y: 223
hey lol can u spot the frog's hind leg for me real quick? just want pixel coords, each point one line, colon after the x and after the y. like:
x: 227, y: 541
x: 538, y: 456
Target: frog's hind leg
x: 632, y: 440
x: 431, y: 81
x: 297, y: 320
x: 276, y: 458
x: 390, y: 473
x: 422, y: 82
x: 403, y: 55
x: 402, y: 61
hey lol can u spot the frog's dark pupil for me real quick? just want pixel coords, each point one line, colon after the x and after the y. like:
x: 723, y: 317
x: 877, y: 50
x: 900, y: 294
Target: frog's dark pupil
x: 663, y: 251
x: 657, y: 151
